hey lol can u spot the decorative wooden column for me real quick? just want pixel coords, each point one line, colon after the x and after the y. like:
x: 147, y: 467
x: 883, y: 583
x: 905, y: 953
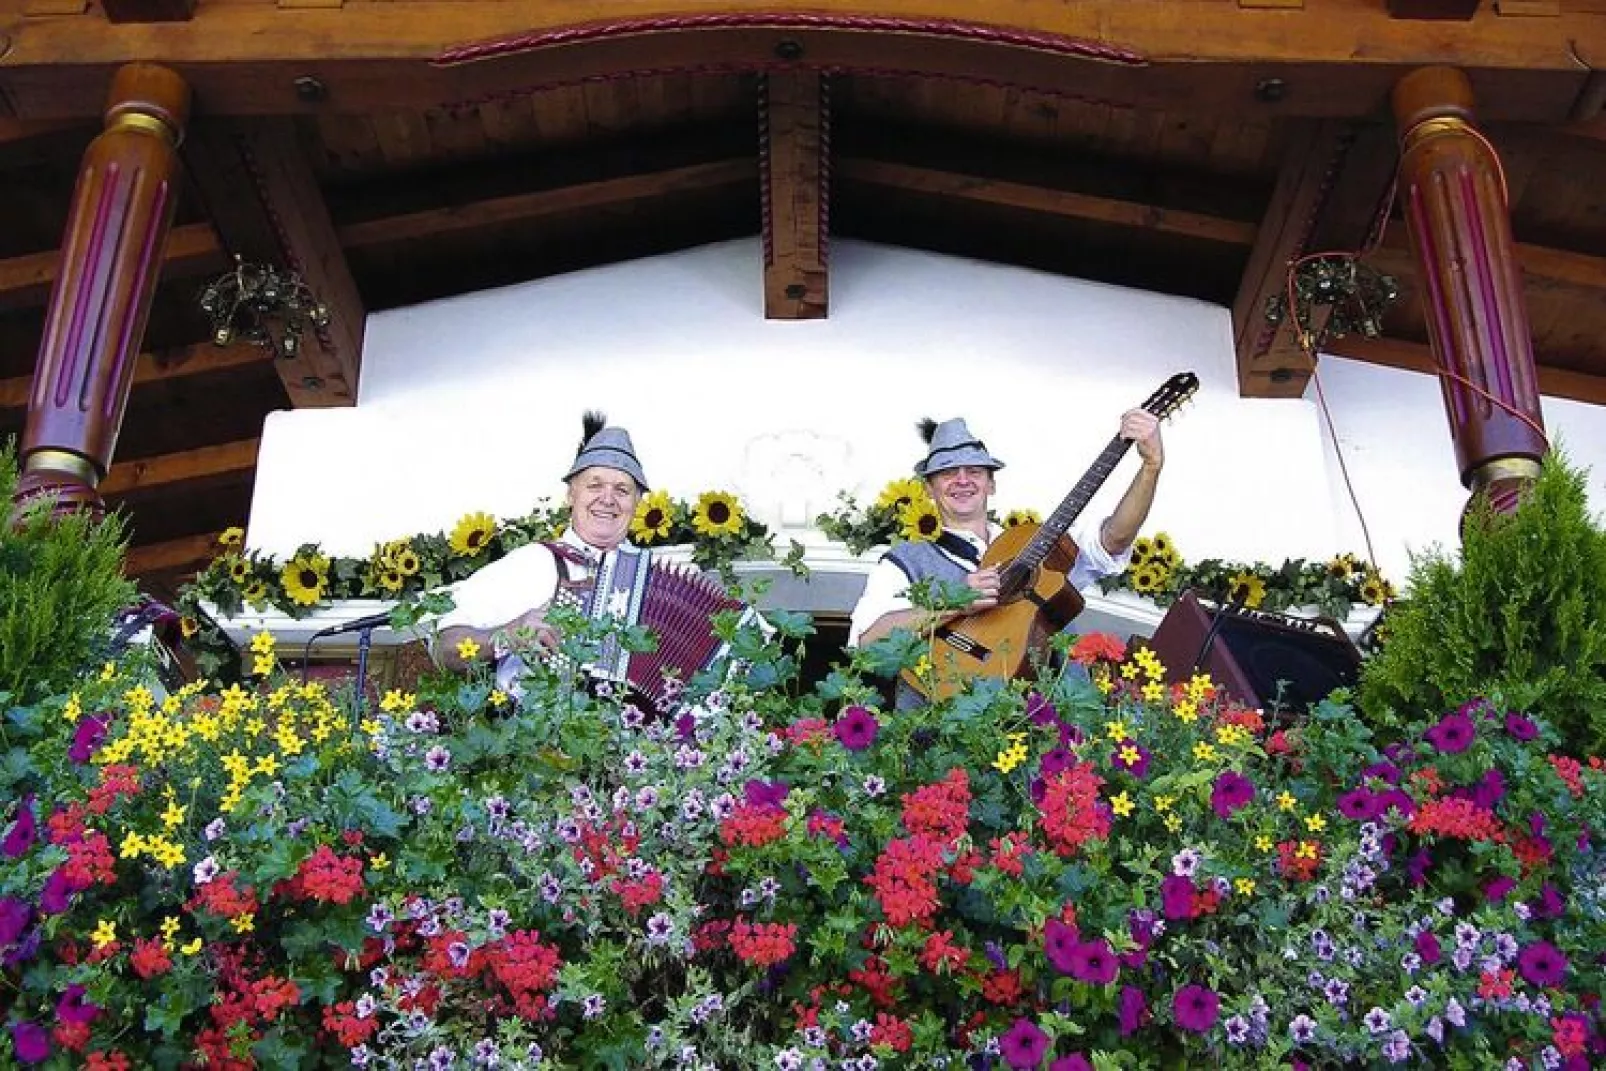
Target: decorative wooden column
x: 1454, y: 199
x: 111, y: 256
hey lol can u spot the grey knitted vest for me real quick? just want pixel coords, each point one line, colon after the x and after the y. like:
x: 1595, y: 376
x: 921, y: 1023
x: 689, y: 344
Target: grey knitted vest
x: 922, y: 561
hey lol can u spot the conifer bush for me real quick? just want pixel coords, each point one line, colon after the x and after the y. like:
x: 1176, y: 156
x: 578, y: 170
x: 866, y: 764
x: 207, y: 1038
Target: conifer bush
x: 1521, y: 613
x: 61, y: 583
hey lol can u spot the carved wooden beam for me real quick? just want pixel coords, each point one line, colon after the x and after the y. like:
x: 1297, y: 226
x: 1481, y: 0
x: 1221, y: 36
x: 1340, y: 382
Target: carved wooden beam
x: 1329, y: 195
x: 261, y: 194
x: 164, y: 470
x: 794, y: 156
x: 182, y: 555
x: 155, y: 367
x: 192, y: 249
x: 1417, y: 357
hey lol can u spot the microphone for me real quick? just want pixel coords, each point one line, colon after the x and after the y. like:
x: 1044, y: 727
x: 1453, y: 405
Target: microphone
x: 361, y: 623
x: 364, y: 625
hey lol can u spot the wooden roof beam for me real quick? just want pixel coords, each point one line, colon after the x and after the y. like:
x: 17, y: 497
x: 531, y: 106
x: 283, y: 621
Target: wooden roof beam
x: 1456, y: 10
x: 1418, y: 357
x: 187, y: 554
x: 154, y: 367
x: 148, y: 10
x: 259, y: 189
x: 795, y: 167
x: 192, y: 249
x: 1330, y: 192
x: 166, y: 470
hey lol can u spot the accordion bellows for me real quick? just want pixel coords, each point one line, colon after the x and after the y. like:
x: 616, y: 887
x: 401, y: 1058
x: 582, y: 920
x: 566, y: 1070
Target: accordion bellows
x: 678, y: 606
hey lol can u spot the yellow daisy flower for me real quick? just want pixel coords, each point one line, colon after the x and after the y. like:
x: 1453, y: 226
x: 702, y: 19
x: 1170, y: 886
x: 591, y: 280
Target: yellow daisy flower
x: 1315, y: 823
x: 1246, y: 589
x: 1017, y: 517
x: 899, y: 493
x: 1245, y: 886
x: 1122, y: 804
x: 306, y: 579
x: 655, y: 516
x: 468, y: 650
x: 472, y: 533
x: 189, y: 948
x: 718, y: 513
x: 232, y: 536
x: 919, y: 521
x: 1173, y: 822
x: 105, y: 933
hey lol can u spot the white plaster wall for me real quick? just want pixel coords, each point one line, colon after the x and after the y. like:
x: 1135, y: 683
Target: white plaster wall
x: 474, y: 403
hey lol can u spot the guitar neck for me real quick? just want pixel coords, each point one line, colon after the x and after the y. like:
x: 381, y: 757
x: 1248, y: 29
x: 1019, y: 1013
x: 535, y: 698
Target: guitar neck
x: 1065, y: 514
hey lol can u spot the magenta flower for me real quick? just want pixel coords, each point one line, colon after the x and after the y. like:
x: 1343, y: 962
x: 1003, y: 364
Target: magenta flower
x: 1039, y: 710
x: 1176, y: 897
x: 1059, y: 945
x: 1521, y: 728
x: 1024, y: 1045
x: 1133, y: 758
x: 1055, y: 761
x: 73, y: 1008
x: 1453, y: 734
x: 1489, y: 790
x: 1231, y: 792
x: 1551, y: 904
x: 1074, y: 1062
x: 1383, y: 771
x: 1094, y: 962
x: 1396, y: 799
x: 1427, y: 946
x: 31, y: 1043
x: 1133, y: 1009
x: 55, y: 897
x: 1358, y: 805
x: 1498, y: 889
x: 1195, y: 1008
x: 24, y: 831
x: 856, y: 729
x: 1542, y: 964
x: 766, y: 793
x: 14, y: 918
x: 87, y: 737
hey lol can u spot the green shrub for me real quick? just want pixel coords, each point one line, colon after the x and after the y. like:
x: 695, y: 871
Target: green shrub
x: 61, y: 583
x: 1520, y: 614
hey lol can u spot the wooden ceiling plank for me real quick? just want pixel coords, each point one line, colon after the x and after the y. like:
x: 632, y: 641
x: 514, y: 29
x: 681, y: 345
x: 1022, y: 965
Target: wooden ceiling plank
x: 1067, y: 203
x: 1329, y: 193
x: 1556, y: 266
x: 120, y: 11
x: 185, y: 554
x: 795, y: 169
x: 259, y: 188
x: 500, y: 211
x: 193, y: 360
x: 1418, y: 357
x: 165, y: 470
x: 191, y: 249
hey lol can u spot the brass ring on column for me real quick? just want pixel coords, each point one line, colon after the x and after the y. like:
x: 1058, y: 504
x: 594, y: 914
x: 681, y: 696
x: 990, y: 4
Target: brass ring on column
x: 1434, y: 127
x: 143, y: 124
x: 63, y: 461
x: 1505, y: 468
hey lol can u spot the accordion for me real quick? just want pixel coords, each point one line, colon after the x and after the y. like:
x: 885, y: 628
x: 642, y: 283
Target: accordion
x: 677, y: 603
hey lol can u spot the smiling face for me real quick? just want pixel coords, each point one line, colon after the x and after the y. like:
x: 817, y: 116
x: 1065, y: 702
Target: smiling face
x: 962, y: 494
x: 601, y: 503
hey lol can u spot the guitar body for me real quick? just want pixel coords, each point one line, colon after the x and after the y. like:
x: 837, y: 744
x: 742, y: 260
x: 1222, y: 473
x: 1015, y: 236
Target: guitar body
x: 1006, y: 641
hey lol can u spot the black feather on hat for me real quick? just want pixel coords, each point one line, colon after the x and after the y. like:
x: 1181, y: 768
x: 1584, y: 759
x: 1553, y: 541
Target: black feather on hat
x: 593, y: 421
x: 927, y: 428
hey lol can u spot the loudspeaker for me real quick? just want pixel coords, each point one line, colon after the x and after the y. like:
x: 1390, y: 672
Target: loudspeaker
x: 1248, y: 653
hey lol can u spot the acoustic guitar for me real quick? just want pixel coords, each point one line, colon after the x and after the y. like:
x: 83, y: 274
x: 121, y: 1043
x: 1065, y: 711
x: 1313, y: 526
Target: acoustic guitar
x: 1034, y: 598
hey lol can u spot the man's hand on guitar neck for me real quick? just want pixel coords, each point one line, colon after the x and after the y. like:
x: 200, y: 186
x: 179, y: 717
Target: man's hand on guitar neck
x: 985, y: 583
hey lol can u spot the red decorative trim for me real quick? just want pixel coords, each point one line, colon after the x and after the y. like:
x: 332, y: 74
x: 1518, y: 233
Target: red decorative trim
x: 766, y: 210
x: 981, y: 33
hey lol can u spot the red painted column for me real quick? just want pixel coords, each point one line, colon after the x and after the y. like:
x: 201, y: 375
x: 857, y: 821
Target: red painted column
x: 111, y: 257
x: 1453, y: 196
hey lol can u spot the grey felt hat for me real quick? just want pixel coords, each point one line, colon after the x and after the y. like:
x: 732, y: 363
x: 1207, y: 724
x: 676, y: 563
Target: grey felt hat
x: 608, y: 447
x: 952, y: 446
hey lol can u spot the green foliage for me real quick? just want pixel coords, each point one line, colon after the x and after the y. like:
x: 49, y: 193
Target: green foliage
x: 1521, y: 614
x: 60, y: 583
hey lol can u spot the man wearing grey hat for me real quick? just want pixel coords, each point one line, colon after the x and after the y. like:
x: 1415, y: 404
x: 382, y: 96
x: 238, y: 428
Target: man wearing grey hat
x: 958, y: 471
x: 605, y: 483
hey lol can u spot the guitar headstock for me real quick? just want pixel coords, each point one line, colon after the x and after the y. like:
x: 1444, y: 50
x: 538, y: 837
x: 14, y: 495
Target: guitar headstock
x: 1172, y: 393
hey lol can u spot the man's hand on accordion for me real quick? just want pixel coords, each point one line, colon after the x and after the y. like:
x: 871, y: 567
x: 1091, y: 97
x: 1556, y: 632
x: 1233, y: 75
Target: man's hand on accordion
x: 532, y: 626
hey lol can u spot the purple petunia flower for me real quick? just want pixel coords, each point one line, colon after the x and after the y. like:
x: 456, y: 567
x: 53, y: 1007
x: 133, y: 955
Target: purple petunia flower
x: 1455, y: 1013
x: 1231, y: 792
x: 1133, y: 1008
x: 24, y: 831
x: 1383, y: 771
x: 1074, y: 1062
x: 1195, y: 1008
x: 73, y: 1008
x: 1024, y: 1045
x: 1397, y: 1049
x: 87, y: 737
x: 856, y: 729
x: 1054, y: 761
x: 15, y: 915
x: 1302, y: 1029
x: 57, y: 893
x: 1093, y: 962
x: 1489, y: 790
x: 1059, y: 945
x: 1453, y: 734
x: 1498, y: 888
x: 1133, y: 758
x: 31, y: 1043
x: 1542, y: 964
x: 437, y: 759
x: 766, y: 793
x: 1358, y: 805
x: 1039, y: 710
x: 1521, y: 728
x: 1551, y: 904
x: 1377, y: 1020
x: 1237, y: 1029
x: 1177, y: 897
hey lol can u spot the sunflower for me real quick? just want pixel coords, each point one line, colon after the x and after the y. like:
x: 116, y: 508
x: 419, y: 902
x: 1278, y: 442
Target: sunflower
x: 1017, y: 517
x: 655, y: 516
x: 232, y: 536
x: 1149, y: 578
x: 899, y: 493
x: 1163, y: 546
x: 188, y: 626
x: 390, y: 579
x: 1142, y: 550
x: 1375, y: 591
x: 305, y: 579
x: 717, y: 514
x: 919, y: 521
x: 472, y: 533
x: 406, y: 562
x: 239, y: 569
x: 255, y: 593
x: 1343, y: 567
x: 1246, y: 589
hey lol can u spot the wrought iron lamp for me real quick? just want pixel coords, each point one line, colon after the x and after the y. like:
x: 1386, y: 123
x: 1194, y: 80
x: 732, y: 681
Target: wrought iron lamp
x: 263, y: 305
x: 1354, y: 295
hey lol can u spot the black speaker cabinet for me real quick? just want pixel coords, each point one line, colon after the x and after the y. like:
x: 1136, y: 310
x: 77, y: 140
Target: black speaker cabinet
x: 1248, y: 653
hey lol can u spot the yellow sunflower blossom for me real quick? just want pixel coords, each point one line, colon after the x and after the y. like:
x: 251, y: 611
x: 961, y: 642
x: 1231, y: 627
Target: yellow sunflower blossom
x: 239, y: 568
x: 718, y: 514
x: 919, y: 521
x: 655, y: 516
x: 1121, y: 803
x: 1343, y: 567
x: 231, y: 536
x: 390, y: 580
x: 255, y: 593
x: 1149, y: 578
x: 305, y: 579
x: 1142, y: 547
x: 467, y: 649
x: 406, y: 562
x: 472, y: 534
x: 899, y: 493
x: 1017, y: 517
x: 188, y: 626
x: 1246, y: 589
x: 105, y: 933
x: 1164, y: 547
x: 1375, y: 591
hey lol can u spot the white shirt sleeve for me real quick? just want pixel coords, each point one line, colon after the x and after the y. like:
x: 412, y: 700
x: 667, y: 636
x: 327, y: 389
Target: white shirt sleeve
x: 523, y: 580
x: 885, y: 590
x: 1094, y: 562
